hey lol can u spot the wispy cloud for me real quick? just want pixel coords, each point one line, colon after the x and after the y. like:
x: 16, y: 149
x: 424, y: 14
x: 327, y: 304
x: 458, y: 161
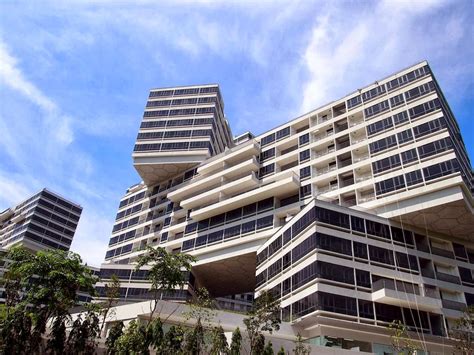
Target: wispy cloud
x: 74, y: 77
x: 351, y: 44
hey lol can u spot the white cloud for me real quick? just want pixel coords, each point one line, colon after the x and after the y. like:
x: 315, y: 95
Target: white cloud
x: 14, y: 191
x: 89, y: 241
x: 350, y: 45
x: 11, y: 76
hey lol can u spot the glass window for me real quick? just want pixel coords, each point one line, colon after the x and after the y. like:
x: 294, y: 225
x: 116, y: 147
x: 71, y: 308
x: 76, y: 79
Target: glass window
x: 413, y: 177
x: 357, y: 224
x: 409, y: 156
x: 360, y: 250
x: 268, y: 139
x: 381, y: 255
x: 405, y: 136
x: 282, y: 133
x: 377, y: 229
x: 389, y: 185
x: 397, y: 100
x: 305, y: 155
x: 383, y: 144
x: 304, y: 139
x: 248, y: 227
x: 305, y: 172
x: 400, y: 118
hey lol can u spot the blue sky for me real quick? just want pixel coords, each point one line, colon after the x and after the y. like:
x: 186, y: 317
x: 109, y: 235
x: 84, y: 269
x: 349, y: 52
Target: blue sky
x: 74, y: 78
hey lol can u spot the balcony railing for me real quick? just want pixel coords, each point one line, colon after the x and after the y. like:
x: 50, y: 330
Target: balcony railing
x: 349, y: 203
x: 431, y: 292
x: 367, y: 198
x: 442, y: 252
x: 343, y: 144
x: 360, y: 158
x: 358, y: 140
x: 343, y: 163
x: 363, y: 177
x: 458, y: 306
x: 325, y: 170
x: 448, y: 277
x: 347, y: 182
x: 428, y: 273
x: 341, y: 127
x: 324, y: 189
x: 324, y: 152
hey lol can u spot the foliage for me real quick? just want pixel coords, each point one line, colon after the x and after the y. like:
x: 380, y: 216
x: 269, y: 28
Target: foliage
x: 133, y: 340
x: 281, y: 351
x: 173, y: 340
x: 83, y: 333
x: 115, y: 333
x: 218, y: 341
x: 195, y: 341
x: 201, y: 308
x: 463, y: 331
x: 300, y: 347
x: 268, y: 349
x: 166, y: 272
x: 40, y: 286
x: 236, y: 342
x: 264, y: 317
x: 259, y: 346
x: 156, y: 334
x: 112, y: 294
x: 401, y: 341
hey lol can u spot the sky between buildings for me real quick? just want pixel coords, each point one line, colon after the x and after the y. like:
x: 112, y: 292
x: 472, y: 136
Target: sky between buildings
x: 75, y: 75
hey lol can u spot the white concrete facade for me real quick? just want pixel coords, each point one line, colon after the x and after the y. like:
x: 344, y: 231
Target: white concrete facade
x: 392, y: 149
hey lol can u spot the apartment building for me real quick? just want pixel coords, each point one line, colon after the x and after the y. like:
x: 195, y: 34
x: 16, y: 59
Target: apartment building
x: 389, y: 155
x: 46, y: 220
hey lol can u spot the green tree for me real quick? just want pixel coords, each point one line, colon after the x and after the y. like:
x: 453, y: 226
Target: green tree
x: 156, y: 334
x: 201, y: 309
x: 166, y: 273
x: 84, y: 332
x: 300, y: 347
x: 218, y: 341
x: 133, y: 340
x: 112, y: 295
x: 173, y: 341
x: 264, y: 317
x: 115, y: 333
x: 463, y: 331
x: 268, y: 349
x: 195, y: 339
x: 281, y: 351
x: 401, y: 341
x: 259, y: 346
x: 236, y: 342
x: 49, y: 282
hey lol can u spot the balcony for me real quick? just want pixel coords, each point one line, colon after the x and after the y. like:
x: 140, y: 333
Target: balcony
x: 286, y: 183
x: 325, y: 170
x: 385, y: 291
x: 364, y: 177
x: 442, y: 252
x: 448, y: 278
x: 244, y: 184
x: 200, y: 184
x: 455, y: 305
x: 324, y: 189
x: 366, y: 198
x: 324, y: 152
x: 344, y: 163
x: 360, y: 157
x: 346, y: 182
x: 230, y: 156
